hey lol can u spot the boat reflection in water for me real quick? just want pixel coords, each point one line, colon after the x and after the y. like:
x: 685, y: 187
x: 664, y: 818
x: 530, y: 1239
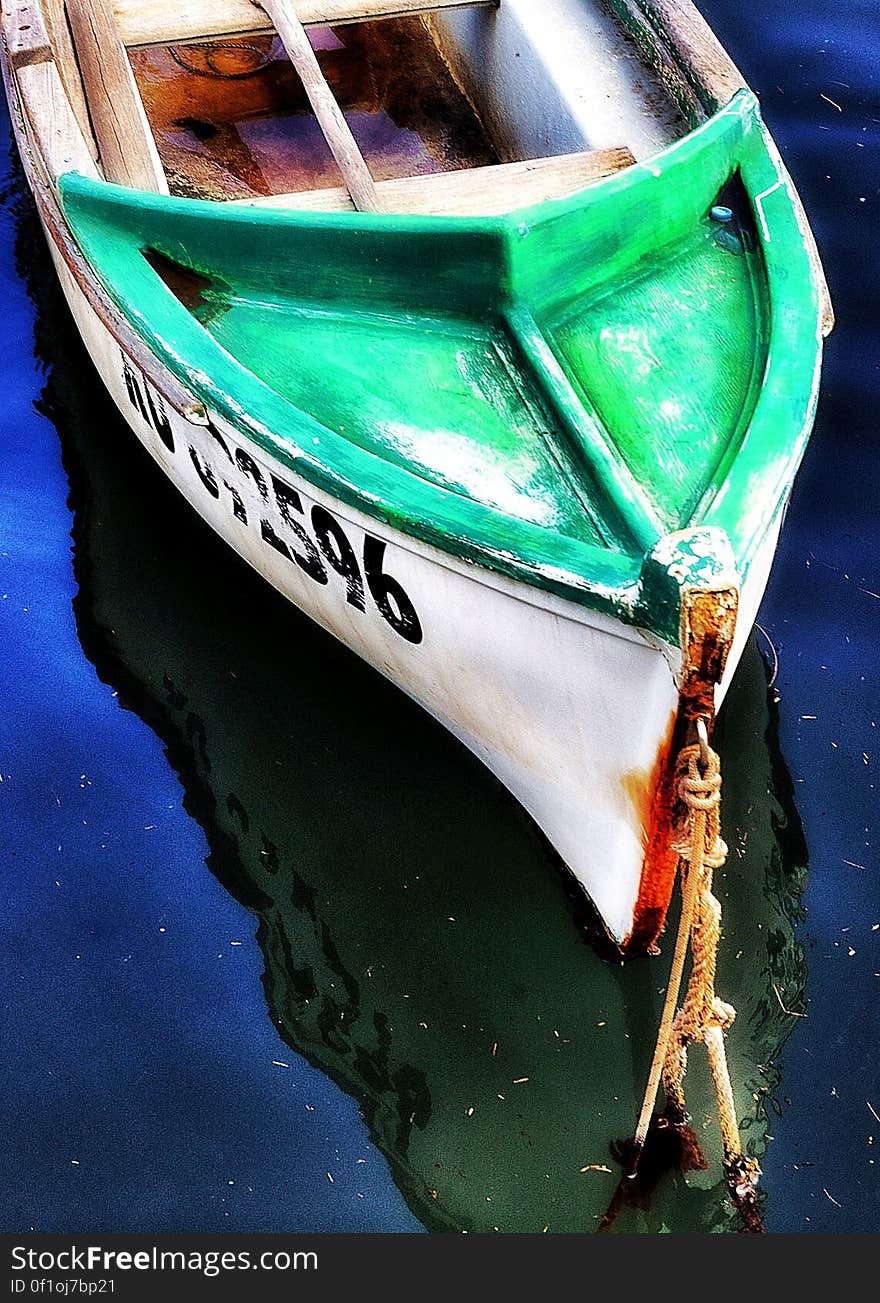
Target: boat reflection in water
x: 419, y: 945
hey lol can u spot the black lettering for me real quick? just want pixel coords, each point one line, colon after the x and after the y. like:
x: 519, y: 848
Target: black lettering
x: 133, y: 386
x: 160, y: 421
x: 394, y: 605
x: 289, y: 502
x: 204, y: 472
x: 339, y: 555
x: 270, y: 537
x: 237, y: 504
x: 151, y: 408
x: 219, y: 440
x: 248, y: 466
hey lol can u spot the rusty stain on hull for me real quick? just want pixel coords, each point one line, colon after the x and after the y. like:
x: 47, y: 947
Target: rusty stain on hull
x: 652, y: 794
x: 708, y: 625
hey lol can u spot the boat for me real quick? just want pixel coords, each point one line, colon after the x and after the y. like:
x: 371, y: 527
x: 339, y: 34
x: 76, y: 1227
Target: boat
x: 423, y: 987
x: 490, y: 334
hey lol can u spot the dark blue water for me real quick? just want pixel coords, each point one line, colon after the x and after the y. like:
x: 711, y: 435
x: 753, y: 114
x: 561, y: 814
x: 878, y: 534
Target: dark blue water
x: 822, y: 608
x: 145, y: 1087
x: 223, y: 850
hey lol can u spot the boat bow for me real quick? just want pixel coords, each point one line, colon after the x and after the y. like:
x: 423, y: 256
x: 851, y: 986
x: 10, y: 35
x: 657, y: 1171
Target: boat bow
x: 548, y: 393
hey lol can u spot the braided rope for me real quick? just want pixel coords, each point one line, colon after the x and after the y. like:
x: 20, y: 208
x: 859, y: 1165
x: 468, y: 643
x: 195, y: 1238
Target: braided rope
x: 703, y: 1017
x: 207, y: 48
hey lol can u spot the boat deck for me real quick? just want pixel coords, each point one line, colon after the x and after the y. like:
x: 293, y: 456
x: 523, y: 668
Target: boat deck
x: 231, y: 118
x: 571, y: 373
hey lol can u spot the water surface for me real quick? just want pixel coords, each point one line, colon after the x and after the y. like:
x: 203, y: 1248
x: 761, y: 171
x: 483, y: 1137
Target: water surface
x: 280, y: 955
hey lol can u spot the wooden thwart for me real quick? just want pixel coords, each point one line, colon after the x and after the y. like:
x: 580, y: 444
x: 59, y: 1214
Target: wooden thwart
x: 161, y: 22
x: 481, y: 191
x: 337, y: 132
x: 125, y: 141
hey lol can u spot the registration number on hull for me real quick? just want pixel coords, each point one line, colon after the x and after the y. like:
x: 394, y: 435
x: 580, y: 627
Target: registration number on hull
x: 313, y: 540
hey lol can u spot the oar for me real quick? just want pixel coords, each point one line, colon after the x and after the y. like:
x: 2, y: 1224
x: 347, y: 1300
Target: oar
x: 337, y: 133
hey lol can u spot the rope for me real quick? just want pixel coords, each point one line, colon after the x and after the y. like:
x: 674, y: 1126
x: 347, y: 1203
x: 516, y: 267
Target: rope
x: 263, y: 57
x: 703, y: 1017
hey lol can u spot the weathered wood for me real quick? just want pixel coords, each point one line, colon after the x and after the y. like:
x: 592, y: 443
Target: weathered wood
x: 55, y: 15
x: 697, y: 46
x: 163, y: 380
x: 27, y: 40
x: 53, y: 128
x: 160, y: 22
x: 337, y: 132
x: 482, y: 191
x: 69, y: 252
x: 128, y: 151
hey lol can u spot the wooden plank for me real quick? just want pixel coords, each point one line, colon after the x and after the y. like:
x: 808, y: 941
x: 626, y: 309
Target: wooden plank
x: 128, y: 151
x: 476, y: 192
x: 167, y: 384
x: 65, y: 59
x: 697, y: 46
x: 53, y: 128
x: 337, y: 132
x: 161, y: 22
x: 27, y: 41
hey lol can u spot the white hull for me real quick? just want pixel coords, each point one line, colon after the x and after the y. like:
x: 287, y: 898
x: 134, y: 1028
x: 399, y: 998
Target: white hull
x: 569, y: 709
x: 573, y: 711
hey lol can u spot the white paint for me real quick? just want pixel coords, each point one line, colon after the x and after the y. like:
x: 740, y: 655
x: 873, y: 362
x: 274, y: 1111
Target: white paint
x: 558, y: 77
x: 567, y: 708
x: 750, y: 598
x: 759, y: 204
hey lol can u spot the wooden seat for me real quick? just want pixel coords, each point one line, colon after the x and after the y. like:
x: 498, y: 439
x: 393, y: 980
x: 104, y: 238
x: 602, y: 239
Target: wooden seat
x: 165, y: 22
x: 26, y: 38
x: 475, y: 192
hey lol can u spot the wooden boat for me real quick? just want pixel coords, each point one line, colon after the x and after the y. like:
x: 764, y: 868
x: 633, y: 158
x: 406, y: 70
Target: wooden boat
x: 354, y: 865
x: 490, y: 334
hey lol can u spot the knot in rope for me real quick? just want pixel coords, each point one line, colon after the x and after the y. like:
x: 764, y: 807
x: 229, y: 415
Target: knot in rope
x: 716, y: 858
x: 699, y: 791
x: 703, y: 1017
x: 721, y: 1014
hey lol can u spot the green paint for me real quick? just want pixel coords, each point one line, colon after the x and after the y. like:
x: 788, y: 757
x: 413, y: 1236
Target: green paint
x: 546, y: 394
x: 440, y: 397
x: 640, y: 379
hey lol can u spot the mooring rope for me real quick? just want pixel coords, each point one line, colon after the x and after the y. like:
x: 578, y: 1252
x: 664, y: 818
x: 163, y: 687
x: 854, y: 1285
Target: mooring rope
x: 703, y: 1017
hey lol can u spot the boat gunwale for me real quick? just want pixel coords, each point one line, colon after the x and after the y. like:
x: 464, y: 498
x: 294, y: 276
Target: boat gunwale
x: 604, y: 617
x: 576, y: 569
x: 585, y: 573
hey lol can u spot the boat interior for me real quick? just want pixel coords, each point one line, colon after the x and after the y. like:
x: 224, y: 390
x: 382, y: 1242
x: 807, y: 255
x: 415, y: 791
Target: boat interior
x: 582, y: 413
x: 438, y: 106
